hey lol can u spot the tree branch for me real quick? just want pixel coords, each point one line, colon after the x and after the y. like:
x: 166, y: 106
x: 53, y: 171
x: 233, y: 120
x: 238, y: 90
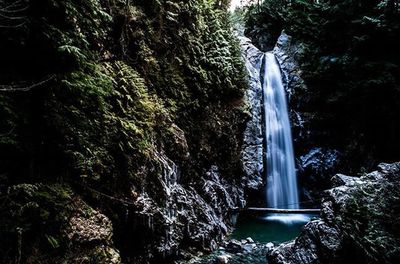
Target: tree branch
x: 11, y: 88
x: 11, y: 16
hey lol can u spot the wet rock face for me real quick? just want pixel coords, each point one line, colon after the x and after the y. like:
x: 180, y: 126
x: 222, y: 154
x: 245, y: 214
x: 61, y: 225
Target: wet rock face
x: 287, y: 52
x: 315, y: 169
x: 188, y: 217
x: 252, y: 153
x: 359, y: 223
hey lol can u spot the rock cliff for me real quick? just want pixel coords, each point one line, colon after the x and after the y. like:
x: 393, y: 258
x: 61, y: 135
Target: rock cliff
x: 120, y: 130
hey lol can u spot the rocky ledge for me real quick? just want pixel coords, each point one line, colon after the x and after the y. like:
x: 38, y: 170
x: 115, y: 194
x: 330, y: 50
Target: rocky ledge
x: 359, y: 223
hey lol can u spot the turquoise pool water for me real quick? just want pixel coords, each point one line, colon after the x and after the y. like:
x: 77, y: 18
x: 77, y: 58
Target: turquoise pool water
x: 270, y: 228
x: 264, y: 228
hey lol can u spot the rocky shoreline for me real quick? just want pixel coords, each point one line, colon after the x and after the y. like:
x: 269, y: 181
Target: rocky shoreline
x: 245, y: 251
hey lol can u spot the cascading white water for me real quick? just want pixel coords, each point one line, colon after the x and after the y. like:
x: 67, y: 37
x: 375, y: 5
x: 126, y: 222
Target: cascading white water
x: 282, y: 191
x: 280, y: 167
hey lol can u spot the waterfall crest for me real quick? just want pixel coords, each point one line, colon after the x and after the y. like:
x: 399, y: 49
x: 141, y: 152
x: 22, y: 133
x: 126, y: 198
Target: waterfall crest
x: 282, y: 189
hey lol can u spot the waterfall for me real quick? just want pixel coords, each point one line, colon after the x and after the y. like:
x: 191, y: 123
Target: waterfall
x: 282, y: 190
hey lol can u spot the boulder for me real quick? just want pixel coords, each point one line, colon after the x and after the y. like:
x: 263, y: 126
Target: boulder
x: 223, y: 259
x: 249, y: 247
x: 249, y: 240
x: 234, y: 246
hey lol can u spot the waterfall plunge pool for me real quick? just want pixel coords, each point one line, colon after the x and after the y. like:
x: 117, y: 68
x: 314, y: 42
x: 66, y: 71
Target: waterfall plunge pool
x: 265, y: 228
x: 262, y: 228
